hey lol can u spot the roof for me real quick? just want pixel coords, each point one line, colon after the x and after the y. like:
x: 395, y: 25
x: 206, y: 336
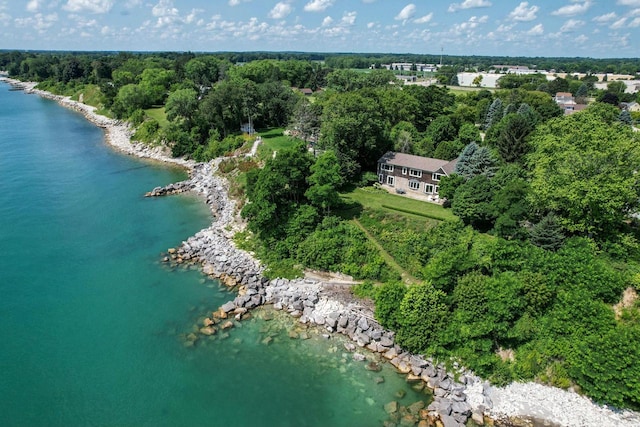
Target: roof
x: 564, y: 94
x: 417, y: 162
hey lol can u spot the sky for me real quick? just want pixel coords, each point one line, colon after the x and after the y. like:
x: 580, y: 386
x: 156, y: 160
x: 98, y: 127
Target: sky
x: 585, y: 28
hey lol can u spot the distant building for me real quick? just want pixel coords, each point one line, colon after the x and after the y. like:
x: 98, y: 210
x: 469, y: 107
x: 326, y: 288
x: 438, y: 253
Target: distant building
x: 517, y: 69
x: 408, y: 66
x: 566, y: 101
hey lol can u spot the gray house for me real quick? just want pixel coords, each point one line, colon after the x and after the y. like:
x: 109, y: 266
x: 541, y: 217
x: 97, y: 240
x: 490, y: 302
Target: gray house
x: 413, y: 174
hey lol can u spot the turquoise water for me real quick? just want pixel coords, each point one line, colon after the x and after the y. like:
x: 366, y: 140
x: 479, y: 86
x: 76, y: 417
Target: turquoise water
x: 92, y: 325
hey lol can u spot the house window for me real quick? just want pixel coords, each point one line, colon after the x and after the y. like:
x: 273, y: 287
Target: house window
x: 437, y: 189
x: 436, y: 176
x: 414, y: 185
x: 390, y: 180
x: 416, y: 173
x: 428, y: 188
x: 404, y: 171
x: 381, y: 178
x: 386, y: 167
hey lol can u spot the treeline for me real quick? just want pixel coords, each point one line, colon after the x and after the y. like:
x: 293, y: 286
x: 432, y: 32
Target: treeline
x: 521, y: 286
x: 485, y: 63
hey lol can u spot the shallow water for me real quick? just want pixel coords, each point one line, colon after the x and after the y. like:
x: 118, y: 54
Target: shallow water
x: 92, y: 325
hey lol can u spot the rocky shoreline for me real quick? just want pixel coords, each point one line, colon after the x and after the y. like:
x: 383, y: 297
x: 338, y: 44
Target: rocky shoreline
x: 457, y: 396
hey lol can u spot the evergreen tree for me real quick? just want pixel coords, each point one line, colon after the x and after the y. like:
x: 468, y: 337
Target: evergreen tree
x: 625, y: 117
x: 475, y: 160
x: 547, y: 234
x: 494, y: 114
x: 454, y: 80
x: 509, y: 109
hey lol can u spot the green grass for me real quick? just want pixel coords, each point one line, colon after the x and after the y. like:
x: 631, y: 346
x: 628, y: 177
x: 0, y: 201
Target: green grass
x: 382, y: 200
x: 159, y: 115
x: 274, y: 140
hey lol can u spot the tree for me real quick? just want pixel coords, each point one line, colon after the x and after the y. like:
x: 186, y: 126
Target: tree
x: 422, y: 316
x: 354, y: 127
x: 473, y: 203
x: 324, y: 182
x: 181, y: 104
x: 494, y: 114
x: 475, y: 160
x: 509, y: 137
x: 306, y: 120
x: 404, y: 135
x: 388, y: 298
x: 547, y: 234
x: 584, y: 170
x: 275, y: 190
x: 625, y: 118
x: 477, y: 81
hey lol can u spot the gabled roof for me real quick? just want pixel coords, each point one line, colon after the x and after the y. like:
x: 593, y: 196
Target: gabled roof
x: 426, y: 164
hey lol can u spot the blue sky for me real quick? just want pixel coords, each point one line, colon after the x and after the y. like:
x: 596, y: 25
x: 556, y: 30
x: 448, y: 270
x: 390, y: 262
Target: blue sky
x: 596, y: 28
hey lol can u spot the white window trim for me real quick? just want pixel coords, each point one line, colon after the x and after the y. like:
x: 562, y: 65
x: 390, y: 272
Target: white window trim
x: 414, y: 183
x: 416, y: 173
x: 380, y: 178
x: 404, y: 171
x: 436, y: 176
x: 428, y: 188
x: 386, y: 167
x: 390, y: 180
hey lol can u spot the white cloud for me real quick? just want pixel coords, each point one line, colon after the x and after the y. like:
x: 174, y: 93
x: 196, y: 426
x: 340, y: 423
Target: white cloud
x: 537, y: 30
x: 164, y: 8
x: 618, y: 24
x: 280, y: 10
x: 406, y: 13
x: 605, y: 18
x: 33, y: 5
x: 581, y: 39
x: 571, y: 25
x: 635, y: 23
x: 327, y: 21
x: 577, y: 8
x: 524, y: 13
x: 468, y: 4
x: 318, y: 5
x: 424, y: 19
x: 38, y: 21
x: 233, y: 3
x: 93, y: 6
x: 349, y: 18
x: 371, y: 25
x: 633, y: 3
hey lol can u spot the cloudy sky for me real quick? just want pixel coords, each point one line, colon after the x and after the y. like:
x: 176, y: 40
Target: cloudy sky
x: 596, y: 28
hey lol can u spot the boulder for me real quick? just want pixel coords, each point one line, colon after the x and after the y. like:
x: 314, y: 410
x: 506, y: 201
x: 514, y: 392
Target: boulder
x: 228, y: 307
x: 391, y: 407
x: 208, y: 330
x: 363, y: 324
x: 227, y: 325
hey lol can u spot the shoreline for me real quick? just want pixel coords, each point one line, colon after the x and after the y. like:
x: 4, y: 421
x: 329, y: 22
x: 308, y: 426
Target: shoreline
x: 318, y: 302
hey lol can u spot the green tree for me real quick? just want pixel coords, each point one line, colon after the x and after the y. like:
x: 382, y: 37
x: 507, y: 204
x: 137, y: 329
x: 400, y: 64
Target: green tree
x: 477, y: 81
x: 388, y: 298
x: 584, y: 170
x: 324, y: 181
x: 181, y: 104
x: 354, y: 127
x: 473, y: 203
x: 547, y: 234
x: 509, y: 137
x: 423, y: 314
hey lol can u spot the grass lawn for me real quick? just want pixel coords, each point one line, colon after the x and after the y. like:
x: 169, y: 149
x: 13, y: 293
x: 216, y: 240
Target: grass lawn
x: 274, y: 140
x: 379, y: 199
x: 159, y: 115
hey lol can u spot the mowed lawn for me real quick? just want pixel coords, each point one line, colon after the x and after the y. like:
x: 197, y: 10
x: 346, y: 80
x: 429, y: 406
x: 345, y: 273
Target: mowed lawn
x: 274, y: 140
x: 392, y: 203
x: 159, y: 115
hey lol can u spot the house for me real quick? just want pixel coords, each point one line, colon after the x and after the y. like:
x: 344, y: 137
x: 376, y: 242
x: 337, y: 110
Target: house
x: 306, y: 91
x: 566, y: 101
x: 413, y: 175
x: 633, y: 107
